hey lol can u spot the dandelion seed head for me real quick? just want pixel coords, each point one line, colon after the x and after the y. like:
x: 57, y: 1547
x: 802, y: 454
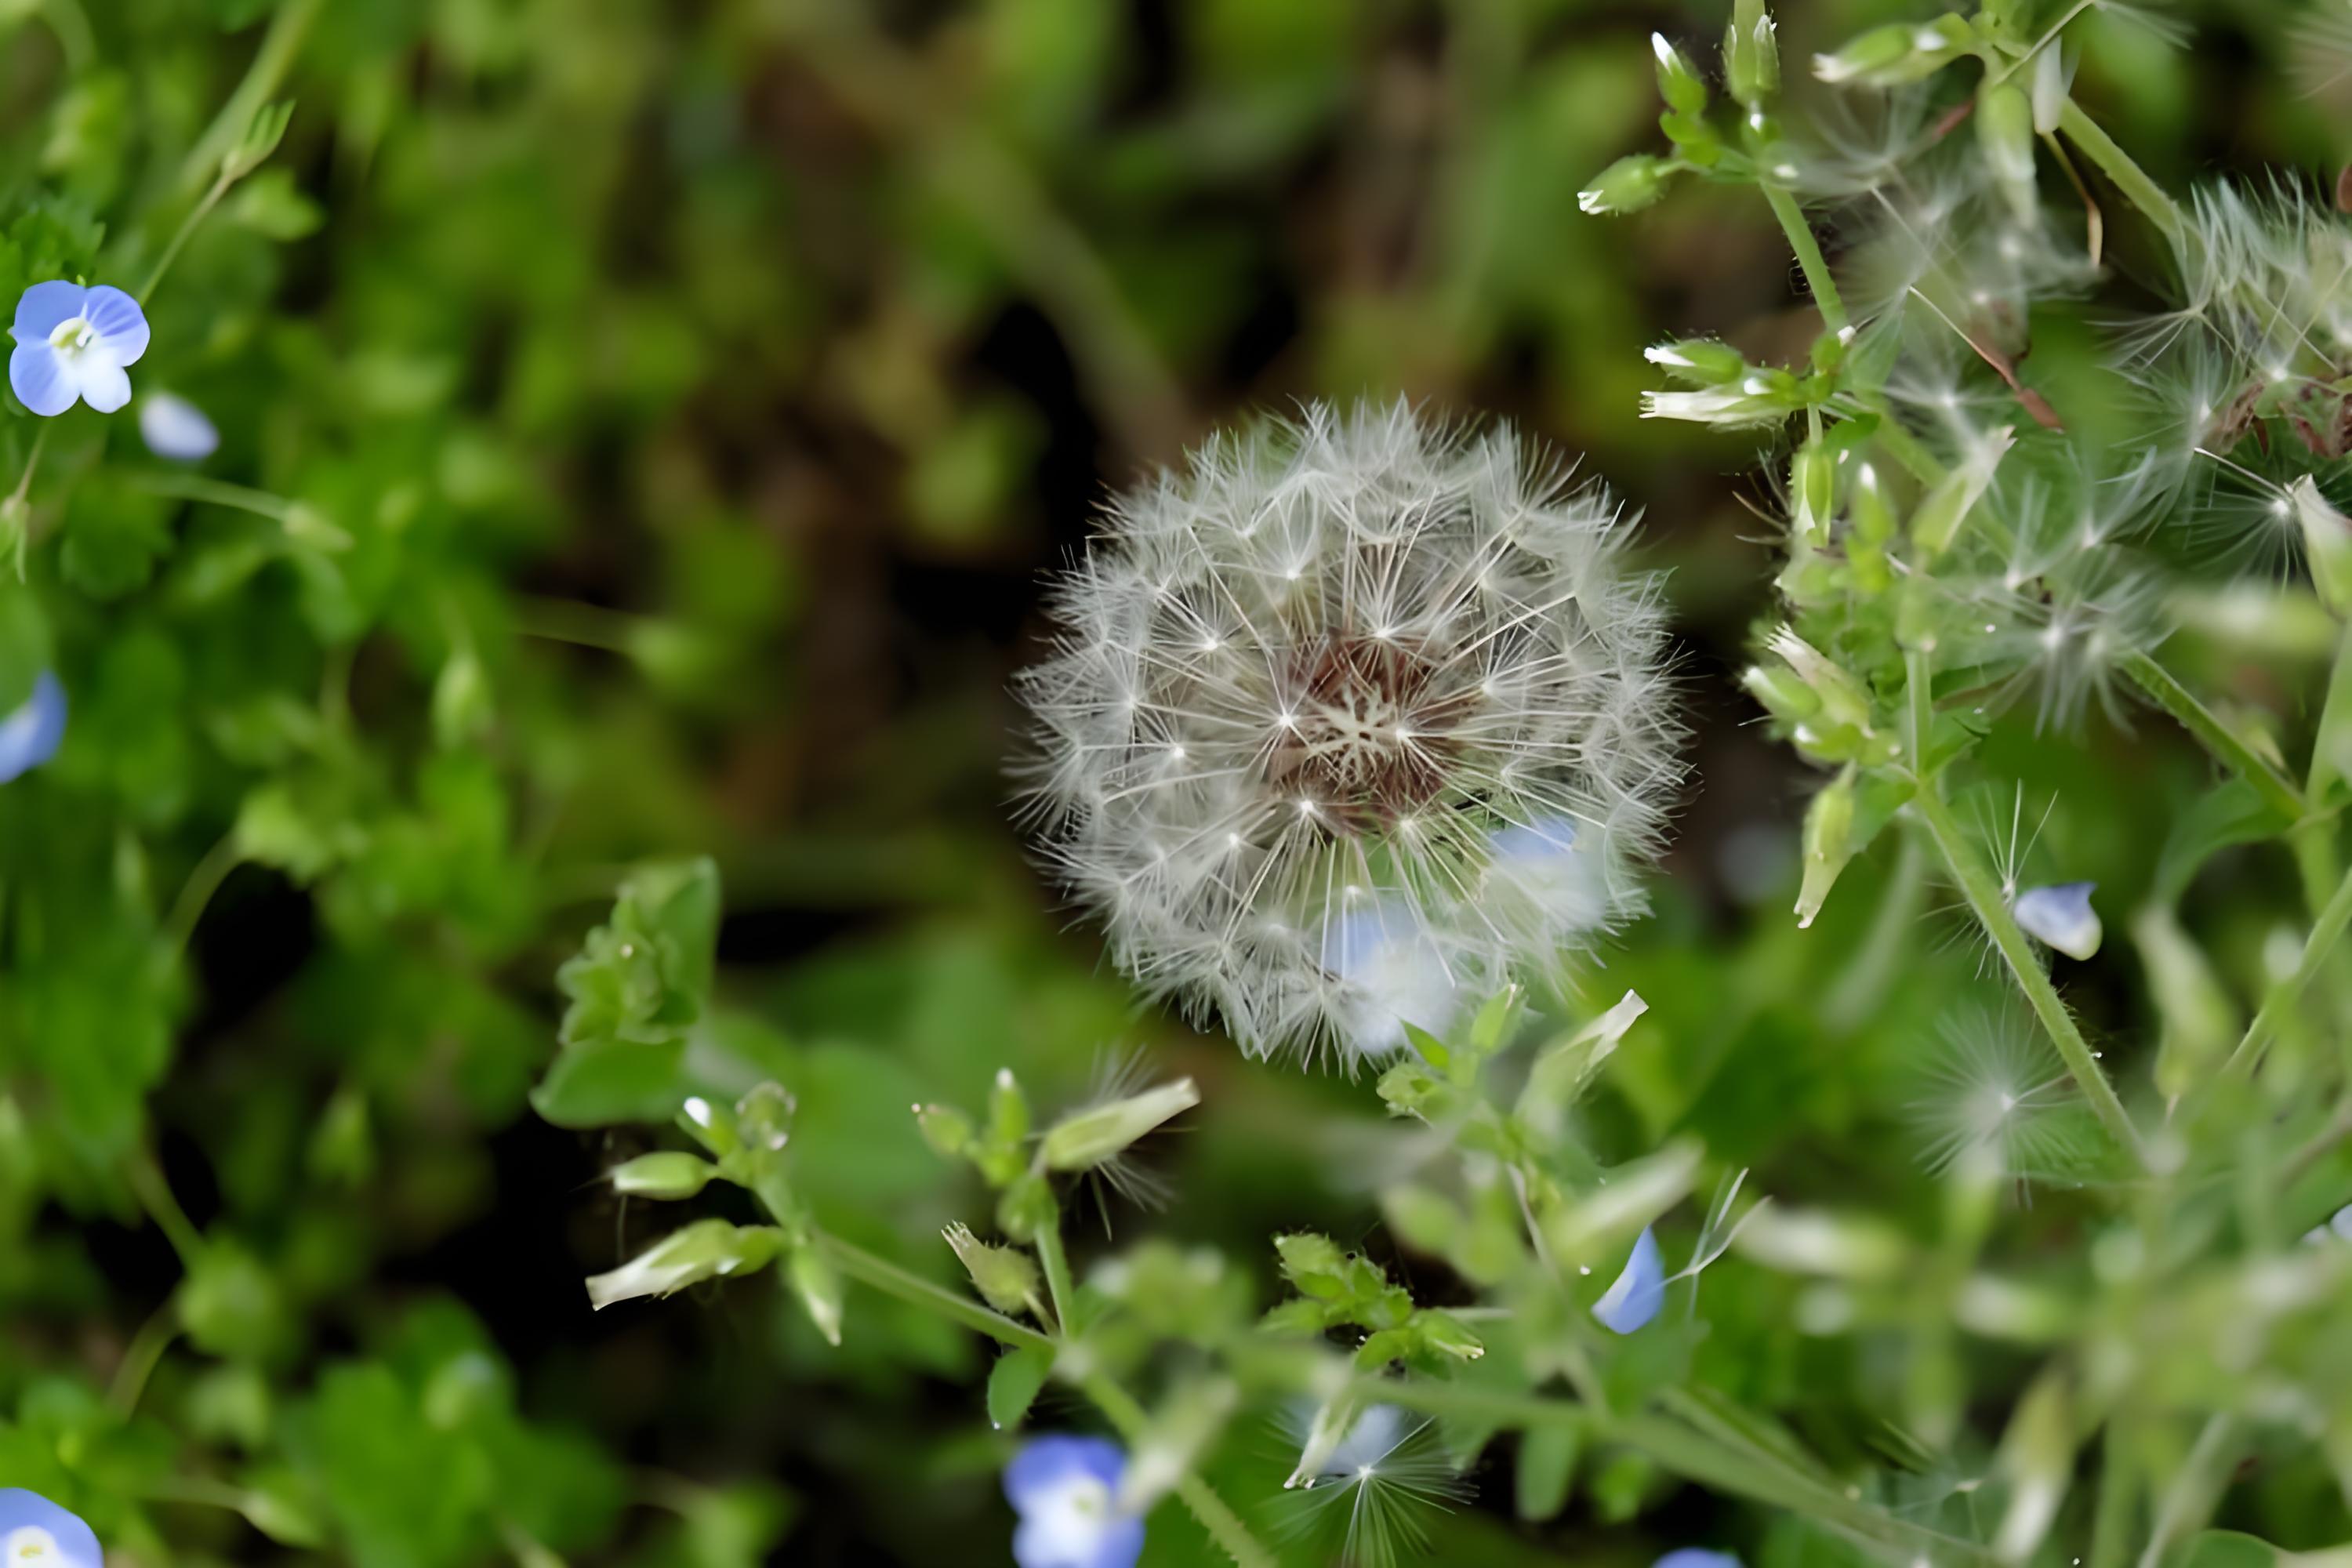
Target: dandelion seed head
x: 1374, y: 1489
x: 1390, y: 709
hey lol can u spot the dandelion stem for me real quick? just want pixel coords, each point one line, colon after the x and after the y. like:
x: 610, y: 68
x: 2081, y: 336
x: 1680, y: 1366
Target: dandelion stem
x: 1223, y: 1525
x: 1983, y: 892
x: 2129, y: 178
x: 1810, y: 259
x: 2283, y: 798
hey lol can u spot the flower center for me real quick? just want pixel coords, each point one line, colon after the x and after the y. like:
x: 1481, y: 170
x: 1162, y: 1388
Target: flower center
x: 72, y: 336
x: 1368, y: 739
x: 30, y: 1543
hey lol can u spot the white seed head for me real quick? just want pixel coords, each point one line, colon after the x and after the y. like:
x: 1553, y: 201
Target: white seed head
x: 1348, y: 720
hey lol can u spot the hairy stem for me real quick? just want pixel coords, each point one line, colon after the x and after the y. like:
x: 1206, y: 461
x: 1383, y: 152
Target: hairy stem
x: 1984, y: 897
x: 155, y: 1195
x: 1056, y: 1264
x: 870, y: 1268
x: 1810, y: 259
x: 2281, y: 797
x: 2127, y: 176
x: 1217, y: 1516
x: 140, y: 1357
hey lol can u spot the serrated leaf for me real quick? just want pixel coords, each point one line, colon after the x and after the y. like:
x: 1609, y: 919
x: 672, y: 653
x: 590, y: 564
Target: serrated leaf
x: 1013, y: 1383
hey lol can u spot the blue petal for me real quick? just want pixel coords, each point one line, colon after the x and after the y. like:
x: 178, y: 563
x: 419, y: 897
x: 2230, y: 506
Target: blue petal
x: 31, y: 735
x: 1394, y: 973
x: 43, y: 306
x: 1694, y: 1557
x: 1638, y: 1292
x: 1538, y: 840
x: 2062, y: 917
x: 103, y: 387
x: 1050, y: 1461
x: 1117, y: 1545
x: 39, y: 381
x: 176, y: 428
x: 77, y: 1543
x: 120, y: 323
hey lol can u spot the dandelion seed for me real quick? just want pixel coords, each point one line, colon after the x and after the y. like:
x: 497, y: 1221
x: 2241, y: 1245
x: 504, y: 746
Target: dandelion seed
x: 31, y: 735
x: 1064, y: 1490
x: 176, y: 429
x: 73, y: 343
x: 37, y: 1533
x: 1375, y: 1487
x: 1434, y: 682
x: 2061, y: 916
x: 1996, y: 1099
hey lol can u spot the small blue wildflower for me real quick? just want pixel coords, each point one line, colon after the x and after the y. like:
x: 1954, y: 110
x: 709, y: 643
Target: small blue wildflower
x: 1638, y: 1292
x: 37, y: 1533
x: 30, y: 736
x: 73, y: 342
x: 1064, y: 1489
x: 1697, y: 1557
x: 2062, y: 917
x: 176, y: 429
x: 1392, y: 974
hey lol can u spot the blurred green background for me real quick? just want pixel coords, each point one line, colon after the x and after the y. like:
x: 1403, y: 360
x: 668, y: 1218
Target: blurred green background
x: 702, y: 387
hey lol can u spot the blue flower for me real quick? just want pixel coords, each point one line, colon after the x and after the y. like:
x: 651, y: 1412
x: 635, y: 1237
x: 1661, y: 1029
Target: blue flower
x: 1065, y: 1490
x: 37, y: 1533
x: 176, y: 428
x: 1391, y: 973
x: 30, y: 736
x: 1638, y: 1292
x: 1694, y: 1557
x: 73, y: 342
x: 2061, y: 916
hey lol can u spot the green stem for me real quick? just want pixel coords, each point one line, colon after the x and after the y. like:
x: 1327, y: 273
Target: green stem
x: 582, y: 625
x: 1984, y: 896
x: 140, y: 1357
x: 180, y: 237
x: 270, y: 63
x: 1223, y: 1525
x: 2188, y: 1499
x: 1056, y: 1265
x: 1687, y: 1453
x: 892, y: 1281
x: 2126, y: 175
x: 196, y: 892
x: 1863, y: 989
x: 214, y: 493
x: 2284, y: 799
x: 2326, y: 933
x: 1810, y: 259
x: 155, y: 1195
x: 2111, y: 1521
x: 32, y: 462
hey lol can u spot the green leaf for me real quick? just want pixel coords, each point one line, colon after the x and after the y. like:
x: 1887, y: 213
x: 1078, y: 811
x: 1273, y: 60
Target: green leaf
x: 613, y: 1082
x: 638, y: 987
x: 1013, y: 1383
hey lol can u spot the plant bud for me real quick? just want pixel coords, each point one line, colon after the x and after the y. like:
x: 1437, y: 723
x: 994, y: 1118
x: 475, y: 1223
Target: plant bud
x: 1896, y: 54
x: 1627, y: 185
x: 1699, y: 361
x: 1447, y: 1335
x: 1005, y: 1276
x: 1678, y: 84
x: 2326, y: 544
x: 707, y: 1249
x: 1751, y: 55
x: 1869, y: 513
x: 668, y: 1175
x: 2053, y: 79
x: 1842, y: 699
x: 1085, y: 1140
x: 1937, y: 521
x: 2037, y: 1454
x: 1813, y: 491
x: 818, y: 1285
x: 1027, y: 1208
x: 2005, y: 133
x: 1001, y: 1157
x: 763, y: 1116
x: 1828, y: 845
x: 1782, y: 694
x: 948, y: 1131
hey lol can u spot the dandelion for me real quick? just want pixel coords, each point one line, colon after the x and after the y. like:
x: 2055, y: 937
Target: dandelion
x: 1997, y: 1101
x: 31, y: 735
x: 37, y: 1533
x: 1064, y: 1490
x: 2061, y: 916
x: 73, y: 342
x: 1348, y: 721
x: 176, y: 429
x: 1384, y: 1477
